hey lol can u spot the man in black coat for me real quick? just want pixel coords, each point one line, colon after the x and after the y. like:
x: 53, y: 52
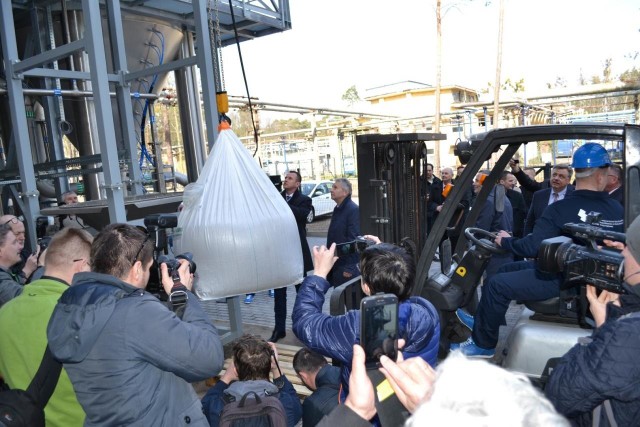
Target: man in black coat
x: 604, y: 370
x: 300, y: 206
x: 517, y: 202
x: 614, y: 183
x: 321, y: 378
x: 559, y: 188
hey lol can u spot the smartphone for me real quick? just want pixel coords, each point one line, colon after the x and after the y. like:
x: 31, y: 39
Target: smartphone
x: 379, y: 328
x: 353, y: 247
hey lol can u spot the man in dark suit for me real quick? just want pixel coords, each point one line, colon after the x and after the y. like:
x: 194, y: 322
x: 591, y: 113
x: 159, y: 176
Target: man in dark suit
x: 614, y: 183
x: 431, y: 185
x: 560, y: 187
x: 508, y: 181
x: 300, y: 206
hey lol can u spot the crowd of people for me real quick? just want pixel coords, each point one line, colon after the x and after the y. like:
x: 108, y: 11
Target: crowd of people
x: 129, y: 358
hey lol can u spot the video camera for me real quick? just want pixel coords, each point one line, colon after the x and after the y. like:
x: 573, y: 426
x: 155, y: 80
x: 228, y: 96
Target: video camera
x: 353, y: 247
x: 602, y: 268
x: 173, y: 264
x: 157, y: 225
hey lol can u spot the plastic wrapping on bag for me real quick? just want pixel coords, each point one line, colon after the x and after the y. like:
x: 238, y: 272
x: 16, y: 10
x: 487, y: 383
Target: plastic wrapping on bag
x: 242, y: 233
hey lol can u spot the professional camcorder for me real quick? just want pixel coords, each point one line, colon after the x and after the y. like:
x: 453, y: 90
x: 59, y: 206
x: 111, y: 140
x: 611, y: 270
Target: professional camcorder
x: 173, y: 264
x: 353, y: 247
x: 157, y: 225
x: 600, y: 267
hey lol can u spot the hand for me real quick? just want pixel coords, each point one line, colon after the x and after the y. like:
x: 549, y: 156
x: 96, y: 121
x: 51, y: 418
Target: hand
x: 361, y: 399
x: 275, y: 372
x: 411, y: 379
x: 186, y: 277
x: 375, y: 239
x: 500, y: 235
x: 230, y: 374
x: 439, y: 208
x: 41, y: 258
x: 515, y: 167
x: 323, y: 260
x: 598, y: 303
x: 612, y: 244
x: 31, y: 263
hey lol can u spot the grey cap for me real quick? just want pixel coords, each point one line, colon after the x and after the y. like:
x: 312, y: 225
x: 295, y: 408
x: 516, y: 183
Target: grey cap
x: 633, y: 238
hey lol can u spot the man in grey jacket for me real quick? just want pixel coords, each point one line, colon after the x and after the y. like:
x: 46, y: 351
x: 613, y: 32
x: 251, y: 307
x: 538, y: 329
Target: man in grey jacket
x: 129, y: 356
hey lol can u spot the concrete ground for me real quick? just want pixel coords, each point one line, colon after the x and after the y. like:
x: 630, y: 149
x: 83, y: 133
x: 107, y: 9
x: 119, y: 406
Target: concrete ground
x: 258, y: 317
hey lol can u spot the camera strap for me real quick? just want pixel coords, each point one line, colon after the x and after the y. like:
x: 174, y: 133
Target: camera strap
x: 178, y: 299
x: 391, y: 412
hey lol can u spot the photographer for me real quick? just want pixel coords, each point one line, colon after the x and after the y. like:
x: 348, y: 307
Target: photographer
x: 131, y: 359
x: 521, y: 281
x: 385, y: 268
x: 606, y: 367
x: 253, y: 360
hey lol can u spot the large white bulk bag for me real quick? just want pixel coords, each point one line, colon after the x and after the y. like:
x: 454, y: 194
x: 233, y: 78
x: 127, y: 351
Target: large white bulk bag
x: 242, y: 233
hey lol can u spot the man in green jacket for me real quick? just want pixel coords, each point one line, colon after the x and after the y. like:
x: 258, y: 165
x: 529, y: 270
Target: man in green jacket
x: 23, y: 322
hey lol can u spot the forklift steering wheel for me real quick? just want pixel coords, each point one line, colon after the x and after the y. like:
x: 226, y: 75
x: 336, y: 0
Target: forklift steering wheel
x: 486, y: 240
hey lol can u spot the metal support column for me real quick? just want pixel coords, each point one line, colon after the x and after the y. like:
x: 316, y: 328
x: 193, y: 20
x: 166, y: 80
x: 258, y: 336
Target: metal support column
x: 94, y: 47
x: 207, y: 74
x: 18, y: 114
x: 54, y: 108
x: 123, y: 94
x: 189, y: 102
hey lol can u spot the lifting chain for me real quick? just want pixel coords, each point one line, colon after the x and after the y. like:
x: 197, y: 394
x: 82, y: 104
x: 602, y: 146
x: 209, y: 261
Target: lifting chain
x: 216, y: 43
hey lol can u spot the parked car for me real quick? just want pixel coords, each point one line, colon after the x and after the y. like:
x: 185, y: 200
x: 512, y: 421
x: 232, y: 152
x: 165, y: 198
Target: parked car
x: 320, y: 193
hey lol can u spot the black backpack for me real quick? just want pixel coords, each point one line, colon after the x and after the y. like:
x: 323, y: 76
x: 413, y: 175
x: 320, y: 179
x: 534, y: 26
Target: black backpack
x: 256, y: 411
x: 22, y: 408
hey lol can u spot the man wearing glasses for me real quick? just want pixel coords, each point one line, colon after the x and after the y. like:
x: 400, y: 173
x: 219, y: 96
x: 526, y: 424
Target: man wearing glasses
x: 130, y: 358
x: 10, y: 285
x: 28, y: 261
x: 24, y: 320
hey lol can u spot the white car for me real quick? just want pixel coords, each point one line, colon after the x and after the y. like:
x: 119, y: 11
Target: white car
x: 320, y: 193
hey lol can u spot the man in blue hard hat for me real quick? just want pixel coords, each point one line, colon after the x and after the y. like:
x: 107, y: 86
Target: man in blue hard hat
x: 520, y: 280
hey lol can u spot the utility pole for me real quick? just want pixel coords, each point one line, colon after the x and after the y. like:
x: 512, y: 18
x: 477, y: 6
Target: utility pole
x: 496, y: 89
x: 438, y: 81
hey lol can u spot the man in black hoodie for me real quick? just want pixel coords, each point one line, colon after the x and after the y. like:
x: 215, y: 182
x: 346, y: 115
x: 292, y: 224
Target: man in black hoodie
x: 605, y: 369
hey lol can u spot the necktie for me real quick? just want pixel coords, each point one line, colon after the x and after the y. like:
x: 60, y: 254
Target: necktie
x: 288, y: 197
x: 555, y: 197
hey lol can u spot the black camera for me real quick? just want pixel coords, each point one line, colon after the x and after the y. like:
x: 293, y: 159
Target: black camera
x: 173, y: 264
x: 43, y: 242
x: 353, y: 247
x: 161, y: 221
x: 602, y: 268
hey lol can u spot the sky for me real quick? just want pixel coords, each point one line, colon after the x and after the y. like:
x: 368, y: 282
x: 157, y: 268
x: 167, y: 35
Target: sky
x: 334, y: 44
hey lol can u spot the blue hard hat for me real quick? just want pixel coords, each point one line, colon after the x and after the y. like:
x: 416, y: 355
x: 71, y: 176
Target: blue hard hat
x: 590, y: 155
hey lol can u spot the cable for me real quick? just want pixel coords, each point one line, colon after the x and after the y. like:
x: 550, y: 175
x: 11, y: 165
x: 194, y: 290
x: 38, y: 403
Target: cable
x: 244, y: 76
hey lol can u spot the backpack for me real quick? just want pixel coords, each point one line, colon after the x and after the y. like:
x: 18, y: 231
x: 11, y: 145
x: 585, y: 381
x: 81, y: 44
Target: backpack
x: 22, y: 408
x: 257, y: 411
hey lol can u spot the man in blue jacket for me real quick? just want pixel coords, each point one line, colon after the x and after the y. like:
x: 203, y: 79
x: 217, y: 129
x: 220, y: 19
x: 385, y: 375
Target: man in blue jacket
x: 520, y: 280
x: 605, y: 367
x: 253, y: 360
x: 130, y: 358
x: 344, y: 227
x: 385, y: 268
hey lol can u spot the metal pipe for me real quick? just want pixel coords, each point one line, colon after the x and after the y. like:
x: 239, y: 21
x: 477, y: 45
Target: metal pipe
x: 328, y: 111
x: 67, y: 38
x: 71, y: 93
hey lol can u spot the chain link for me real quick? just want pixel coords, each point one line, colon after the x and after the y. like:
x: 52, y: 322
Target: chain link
x: 219, y: 47
x: 216, y: 43
x: 214, y: 54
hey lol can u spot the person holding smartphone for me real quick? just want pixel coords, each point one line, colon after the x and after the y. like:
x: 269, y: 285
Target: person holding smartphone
x: 385, y: 268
